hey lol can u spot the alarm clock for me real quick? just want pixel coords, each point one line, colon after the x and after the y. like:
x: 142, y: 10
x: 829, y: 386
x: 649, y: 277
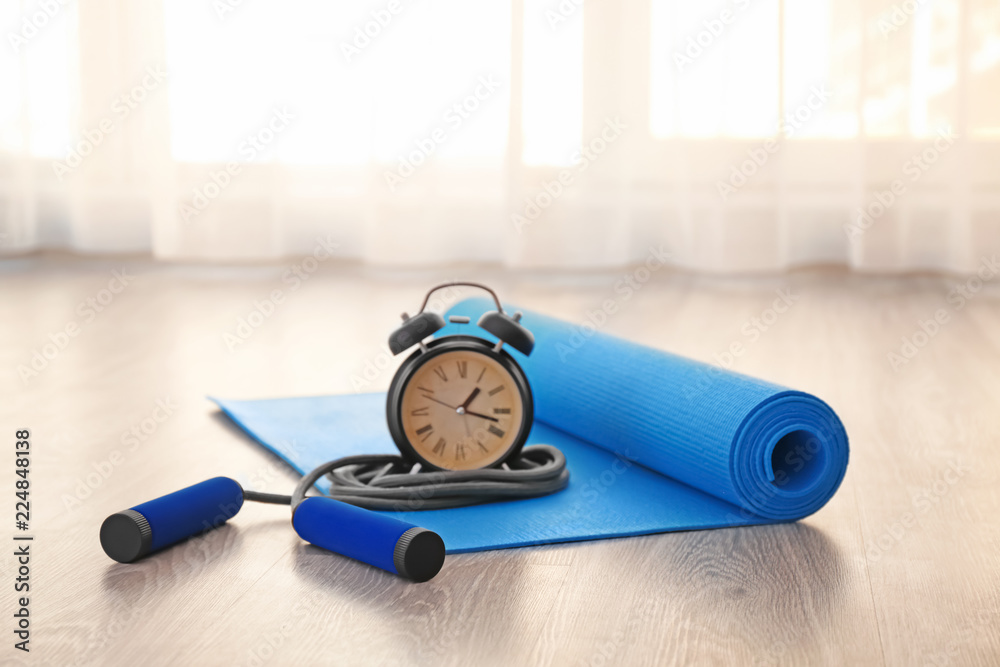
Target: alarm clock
x: 460, y: 402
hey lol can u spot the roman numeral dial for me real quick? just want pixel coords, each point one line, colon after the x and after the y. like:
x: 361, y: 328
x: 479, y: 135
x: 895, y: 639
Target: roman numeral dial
x: 461, y: 409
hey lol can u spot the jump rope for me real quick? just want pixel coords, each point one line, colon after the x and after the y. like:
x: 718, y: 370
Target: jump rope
x: 344, y: 521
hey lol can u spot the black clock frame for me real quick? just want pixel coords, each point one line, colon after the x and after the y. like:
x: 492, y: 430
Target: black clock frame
x: 438, y: 346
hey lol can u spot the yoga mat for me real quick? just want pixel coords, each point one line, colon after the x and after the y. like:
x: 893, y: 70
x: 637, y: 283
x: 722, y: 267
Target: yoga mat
x: 654, y: 442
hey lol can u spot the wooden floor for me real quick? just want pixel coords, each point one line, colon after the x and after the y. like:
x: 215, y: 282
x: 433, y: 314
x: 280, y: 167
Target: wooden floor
x: 902, y: 567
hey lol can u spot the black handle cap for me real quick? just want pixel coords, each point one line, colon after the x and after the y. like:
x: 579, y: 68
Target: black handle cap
x: 126, y: 536
x: 419, y: 554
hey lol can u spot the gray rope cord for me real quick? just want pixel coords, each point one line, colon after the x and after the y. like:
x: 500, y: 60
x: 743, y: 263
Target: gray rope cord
x: 388, y: 482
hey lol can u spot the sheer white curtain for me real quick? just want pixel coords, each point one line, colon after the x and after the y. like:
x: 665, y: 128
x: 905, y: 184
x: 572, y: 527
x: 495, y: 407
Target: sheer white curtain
x: 738, y: 136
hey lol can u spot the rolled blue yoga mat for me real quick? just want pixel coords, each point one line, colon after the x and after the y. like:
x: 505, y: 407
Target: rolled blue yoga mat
x: 654, y: 442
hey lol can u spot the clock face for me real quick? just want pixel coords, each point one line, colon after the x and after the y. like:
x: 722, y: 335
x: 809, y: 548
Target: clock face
x: 461, y: 410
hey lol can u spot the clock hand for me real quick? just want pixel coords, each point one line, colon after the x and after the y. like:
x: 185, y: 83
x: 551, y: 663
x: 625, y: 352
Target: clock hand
x: 476, y: 414
x: 441, y: 402
x: 475, y: 392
